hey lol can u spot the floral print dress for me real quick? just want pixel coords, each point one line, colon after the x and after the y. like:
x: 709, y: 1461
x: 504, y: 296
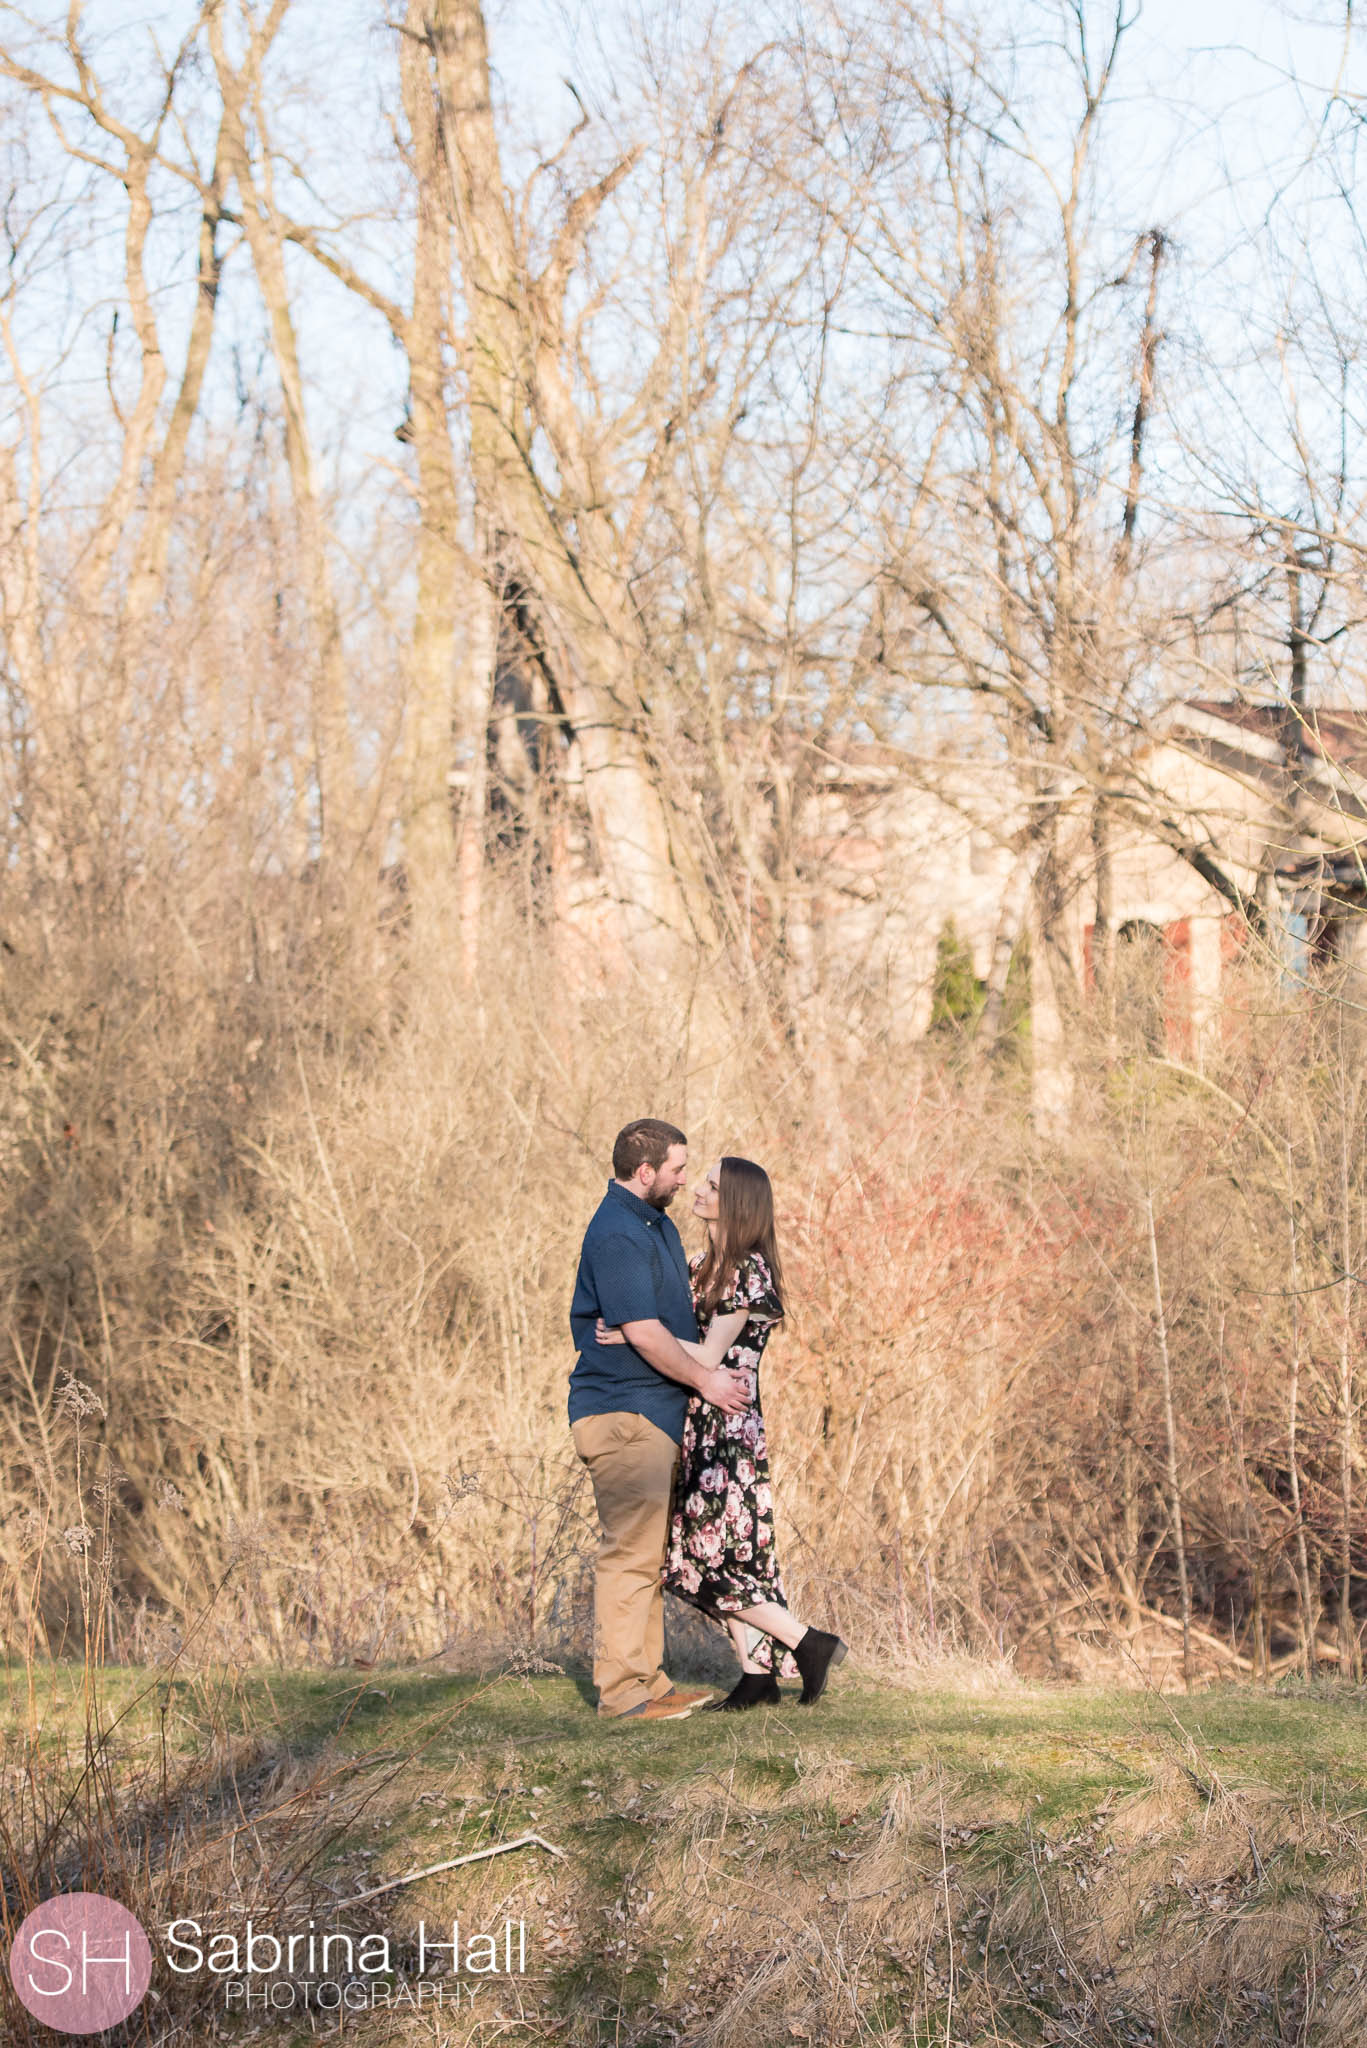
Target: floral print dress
x: 720, y: 1555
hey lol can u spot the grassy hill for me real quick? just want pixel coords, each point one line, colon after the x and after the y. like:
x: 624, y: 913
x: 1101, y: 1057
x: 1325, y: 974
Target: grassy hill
x: 894, y: 1866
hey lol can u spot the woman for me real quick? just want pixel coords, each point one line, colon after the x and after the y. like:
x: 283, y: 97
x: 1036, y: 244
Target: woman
x: 721, y: 1555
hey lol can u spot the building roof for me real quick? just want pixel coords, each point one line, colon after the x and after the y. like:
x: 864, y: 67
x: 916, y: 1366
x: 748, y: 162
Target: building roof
x: 1329, y: 732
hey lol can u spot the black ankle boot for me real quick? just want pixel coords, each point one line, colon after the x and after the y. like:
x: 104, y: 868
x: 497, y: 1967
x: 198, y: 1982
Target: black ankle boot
x: 754, y: 1689
x: 814, y: 1657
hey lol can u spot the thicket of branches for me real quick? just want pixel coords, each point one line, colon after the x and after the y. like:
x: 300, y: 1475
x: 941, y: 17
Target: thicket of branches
x: 391, y: 809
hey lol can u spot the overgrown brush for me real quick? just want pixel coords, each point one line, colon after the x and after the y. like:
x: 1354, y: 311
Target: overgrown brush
x: 302, y: 1215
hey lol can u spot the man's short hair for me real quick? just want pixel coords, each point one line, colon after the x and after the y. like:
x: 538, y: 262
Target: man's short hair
x: 646, y: 1142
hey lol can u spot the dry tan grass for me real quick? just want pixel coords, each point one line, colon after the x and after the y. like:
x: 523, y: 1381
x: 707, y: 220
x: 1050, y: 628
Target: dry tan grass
x: 1144, y: 1910
x: 312, y: 1259
x: 1169, y: 1800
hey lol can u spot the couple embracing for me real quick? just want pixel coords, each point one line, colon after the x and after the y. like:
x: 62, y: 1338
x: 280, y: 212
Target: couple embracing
x: 665, y: 1413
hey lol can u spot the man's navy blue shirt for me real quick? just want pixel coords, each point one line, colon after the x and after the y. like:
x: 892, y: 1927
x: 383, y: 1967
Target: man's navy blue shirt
x: 632, y: 1269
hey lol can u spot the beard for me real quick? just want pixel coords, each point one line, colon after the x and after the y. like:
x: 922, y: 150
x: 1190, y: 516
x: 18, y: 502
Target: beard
x: 660, y: 1201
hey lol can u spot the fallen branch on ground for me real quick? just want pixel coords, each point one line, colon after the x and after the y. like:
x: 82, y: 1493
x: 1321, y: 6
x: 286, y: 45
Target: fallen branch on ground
x: 454, y: 1863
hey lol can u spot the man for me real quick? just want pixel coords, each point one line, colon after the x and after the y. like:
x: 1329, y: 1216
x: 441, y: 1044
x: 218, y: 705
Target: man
x: 627, y: 1405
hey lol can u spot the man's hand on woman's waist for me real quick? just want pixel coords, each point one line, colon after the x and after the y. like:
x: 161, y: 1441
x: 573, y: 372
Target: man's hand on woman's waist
x: 661, y: 1349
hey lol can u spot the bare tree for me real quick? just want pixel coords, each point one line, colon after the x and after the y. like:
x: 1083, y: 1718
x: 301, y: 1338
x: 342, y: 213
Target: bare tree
x: 557, y: 532
x: 1027, y: 571
x: 241, y: 86
x: 121, y: 575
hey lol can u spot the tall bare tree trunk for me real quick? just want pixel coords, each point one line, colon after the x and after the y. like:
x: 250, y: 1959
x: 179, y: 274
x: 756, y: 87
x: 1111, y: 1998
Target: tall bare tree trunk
x: 1050, y: 992
x: 118, y: 508
x: 147, y: 579
x: 516, y: 385
x: 1350, y: 1649
x: 1103, y: 925
x: 1306, y: 1594
x: 1179, y: 1539
x: 474, y: 696
x: 1012, y: 923
x: 21, y: 498
x: 443, y: 569
x: 334, y: 757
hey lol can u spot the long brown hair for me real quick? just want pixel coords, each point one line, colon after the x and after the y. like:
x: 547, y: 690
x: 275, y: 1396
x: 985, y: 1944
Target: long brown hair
x: 745, y: 1223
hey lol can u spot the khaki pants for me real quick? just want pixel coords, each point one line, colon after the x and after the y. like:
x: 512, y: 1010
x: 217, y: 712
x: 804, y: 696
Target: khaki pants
x: 631, y: 1463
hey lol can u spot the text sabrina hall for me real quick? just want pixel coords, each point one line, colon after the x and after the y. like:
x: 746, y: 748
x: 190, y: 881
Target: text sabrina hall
x: 261, y: 1952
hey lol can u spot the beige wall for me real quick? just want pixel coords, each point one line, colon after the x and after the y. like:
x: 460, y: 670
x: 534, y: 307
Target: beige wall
x: 891, y: 861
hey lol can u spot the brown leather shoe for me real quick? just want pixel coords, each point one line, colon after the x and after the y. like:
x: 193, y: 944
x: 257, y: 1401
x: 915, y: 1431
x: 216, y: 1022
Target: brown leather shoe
x: 677, y: 1694
x: 670, y: 1708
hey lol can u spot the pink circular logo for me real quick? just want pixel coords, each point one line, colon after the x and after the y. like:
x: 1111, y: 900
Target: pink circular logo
x: 81, y: 1963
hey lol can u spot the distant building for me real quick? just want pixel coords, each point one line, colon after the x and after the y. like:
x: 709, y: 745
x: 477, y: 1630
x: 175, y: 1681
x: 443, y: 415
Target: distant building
x: 1272, y: 798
